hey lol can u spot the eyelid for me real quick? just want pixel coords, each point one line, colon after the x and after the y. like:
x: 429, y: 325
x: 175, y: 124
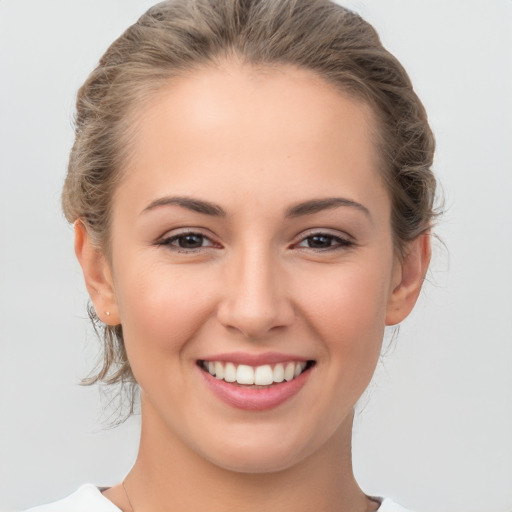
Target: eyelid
x: 326, y: 232
x: 175, y: 234
x: 343, y: 238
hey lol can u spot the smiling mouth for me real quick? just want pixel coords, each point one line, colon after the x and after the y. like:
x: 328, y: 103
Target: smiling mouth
x: 255, y: 376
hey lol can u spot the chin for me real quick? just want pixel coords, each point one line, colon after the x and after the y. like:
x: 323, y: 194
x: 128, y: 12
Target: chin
x: 257, y: 461
x: 258, y: 452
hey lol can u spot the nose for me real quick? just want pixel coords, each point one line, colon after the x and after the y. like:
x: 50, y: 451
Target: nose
x: 255, y: 302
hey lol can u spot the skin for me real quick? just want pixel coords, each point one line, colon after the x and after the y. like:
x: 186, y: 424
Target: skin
x: 255, y: 143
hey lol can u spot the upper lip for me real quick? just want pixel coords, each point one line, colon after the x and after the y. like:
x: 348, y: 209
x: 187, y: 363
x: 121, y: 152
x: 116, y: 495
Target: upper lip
x: 255, y: 359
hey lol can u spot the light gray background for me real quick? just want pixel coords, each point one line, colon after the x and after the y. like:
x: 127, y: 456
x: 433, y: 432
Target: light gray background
x: 436, y: 433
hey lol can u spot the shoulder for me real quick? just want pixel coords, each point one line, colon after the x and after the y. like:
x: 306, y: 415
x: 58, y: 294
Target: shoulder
x: 87, y: 498
x: 388, y: 505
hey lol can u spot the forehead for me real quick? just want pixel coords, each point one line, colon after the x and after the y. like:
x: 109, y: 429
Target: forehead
x: 235, y: 129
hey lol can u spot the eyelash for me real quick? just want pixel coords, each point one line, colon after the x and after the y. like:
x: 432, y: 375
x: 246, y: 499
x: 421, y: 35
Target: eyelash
x: 337, y: 242
x: 169, y: 242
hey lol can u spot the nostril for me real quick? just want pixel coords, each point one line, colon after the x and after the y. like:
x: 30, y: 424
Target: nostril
x: 253, y: 320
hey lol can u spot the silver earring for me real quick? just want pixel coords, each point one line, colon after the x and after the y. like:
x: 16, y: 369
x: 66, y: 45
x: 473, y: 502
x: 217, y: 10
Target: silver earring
x: 107, y: 313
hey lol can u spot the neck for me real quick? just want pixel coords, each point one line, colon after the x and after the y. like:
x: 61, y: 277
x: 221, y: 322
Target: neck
x: 170, y: 476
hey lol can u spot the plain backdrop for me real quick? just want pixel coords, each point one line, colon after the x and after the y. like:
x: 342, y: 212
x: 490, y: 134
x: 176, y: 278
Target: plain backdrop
x: 435, y: 431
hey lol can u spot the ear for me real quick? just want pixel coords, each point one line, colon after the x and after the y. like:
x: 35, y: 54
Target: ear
x: 97, y: 275
x: 408, y: 278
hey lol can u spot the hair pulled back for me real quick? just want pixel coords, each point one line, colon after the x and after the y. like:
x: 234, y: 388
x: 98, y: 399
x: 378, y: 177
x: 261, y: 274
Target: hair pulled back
x: 176, y: 36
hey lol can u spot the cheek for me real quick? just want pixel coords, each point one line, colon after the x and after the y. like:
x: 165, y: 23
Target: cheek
x: 350, y: 295
x: 347, y: 308
x: 161, y: 310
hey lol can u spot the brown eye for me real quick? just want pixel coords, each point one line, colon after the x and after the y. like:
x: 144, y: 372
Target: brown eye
x: 324, y: 241
x: 320, y: 241
x: 190, y: 241
x: 187, y: 241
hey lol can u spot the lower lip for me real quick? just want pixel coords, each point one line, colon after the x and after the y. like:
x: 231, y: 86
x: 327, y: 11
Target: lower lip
x: 254, y: 398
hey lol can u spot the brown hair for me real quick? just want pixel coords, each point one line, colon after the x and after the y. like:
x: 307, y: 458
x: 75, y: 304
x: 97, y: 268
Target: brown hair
x: 176, y: 36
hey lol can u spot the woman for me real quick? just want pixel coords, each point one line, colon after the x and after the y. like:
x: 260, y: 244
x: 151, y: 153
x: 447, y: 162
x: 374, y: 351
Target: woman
x: 252, y: 198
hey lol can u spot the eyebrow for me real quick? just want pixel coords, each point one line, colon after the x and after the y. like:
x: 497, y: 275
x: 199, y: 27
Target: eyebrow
x: 318, y: 205
x: 196, y: 205
x: 305, y: 208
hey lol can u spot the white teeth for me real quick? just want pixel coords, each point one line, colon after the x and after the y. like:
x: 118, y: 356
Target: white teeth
x: 263, y: 375
x: 245, y: 374
x: 230, y: 372
x: 299, y: 368
x: 289, y: 372
x: 219, y: 370
x: 278, y: 373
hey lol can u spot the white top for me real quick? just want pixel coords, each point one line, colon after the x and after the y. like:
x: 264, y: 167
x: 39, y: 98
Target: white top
x: 88, y: 498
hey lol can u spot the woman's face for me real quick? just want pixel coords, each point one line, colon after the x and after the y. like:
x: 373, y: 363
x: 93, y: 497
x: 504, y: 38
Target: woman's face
x: 251, y: 237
